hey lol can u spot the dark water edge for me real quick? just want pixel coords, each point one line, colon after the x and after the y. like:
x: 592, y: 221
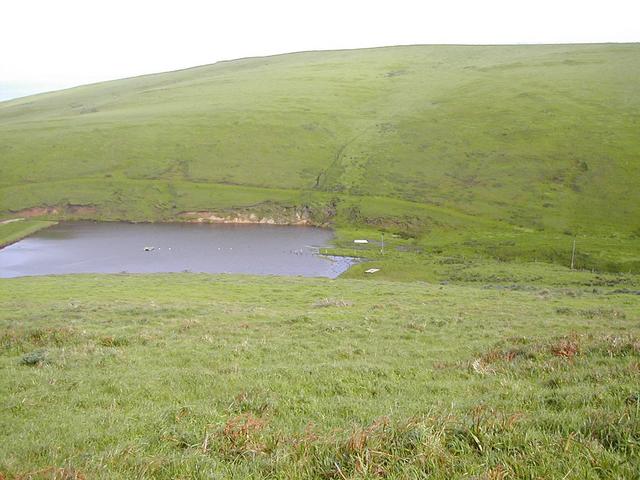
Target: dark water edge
x: 119, y: 247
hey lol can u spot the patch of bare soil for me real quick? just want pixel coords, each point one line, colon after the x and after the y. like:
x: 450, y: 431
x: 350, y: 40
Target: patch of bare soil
x: 67, y: 209
x: 38, y: 211
x: 243, y: 218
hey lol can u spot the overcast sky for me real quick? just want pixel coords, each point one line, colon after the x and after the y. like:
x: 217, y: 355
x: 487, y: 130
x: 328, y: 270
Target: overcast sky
x: 51, y: 44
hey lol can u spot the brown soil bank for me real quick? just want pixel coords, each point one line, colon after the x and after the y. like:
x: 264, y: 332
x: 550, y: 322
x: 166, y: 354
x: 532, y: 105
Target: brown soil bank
x: 244, y: 218
x: 48, y: 210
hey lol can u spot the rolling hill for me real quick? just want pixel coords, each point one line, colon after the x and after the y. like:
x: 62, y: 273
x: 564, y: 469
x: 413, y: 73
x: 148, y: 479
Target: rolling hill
x: 442, y: 144
x: 482, y: 166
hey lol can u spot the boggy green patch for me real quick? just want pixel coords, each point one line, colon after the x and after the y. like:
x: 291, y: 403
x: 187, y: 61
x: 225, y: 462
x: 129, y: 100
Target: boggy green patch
x: 37, y: 357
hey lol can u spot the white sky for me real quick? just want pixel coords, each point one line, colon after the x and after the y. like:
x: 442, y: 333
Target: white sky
x: 49, y: 44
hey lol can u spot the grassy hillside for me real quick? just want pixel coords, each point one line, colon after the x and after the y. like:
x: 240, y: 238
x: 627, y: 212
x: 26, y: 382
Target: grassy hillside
x: 200, y: 376
x: 480, y: 165
x: 498, y: 145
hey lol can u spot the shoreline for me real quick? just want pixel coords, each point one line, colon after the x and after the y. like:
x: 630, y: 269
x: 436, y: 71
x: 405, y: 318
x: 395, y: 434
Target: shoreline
x: 32, y: 226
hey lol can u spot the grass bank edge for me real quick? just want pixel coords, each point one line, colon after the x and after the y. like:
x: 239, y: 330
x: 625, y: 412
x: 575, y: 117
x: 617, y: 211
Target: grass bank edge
x: 13, y: 232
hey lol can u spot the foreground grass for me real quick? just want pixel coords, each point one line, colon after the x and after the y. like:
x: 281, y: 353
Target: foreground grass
x: 198, y: 376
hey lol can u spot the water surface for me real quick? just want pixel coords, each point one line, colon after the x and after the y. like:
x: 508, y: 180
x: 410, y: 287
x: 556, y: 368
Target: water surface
x: 114, y: 247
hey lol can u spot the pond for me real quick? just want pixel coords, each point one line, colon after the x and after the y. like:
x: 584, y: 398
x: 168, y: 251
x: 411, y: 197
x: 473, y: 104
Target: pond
x: 115, y: 247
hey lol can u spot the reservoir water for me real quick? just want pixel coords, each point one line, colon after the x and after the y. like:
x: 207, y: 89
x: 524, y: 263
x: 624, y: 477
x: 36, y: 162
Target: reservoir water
x: 115, y: 247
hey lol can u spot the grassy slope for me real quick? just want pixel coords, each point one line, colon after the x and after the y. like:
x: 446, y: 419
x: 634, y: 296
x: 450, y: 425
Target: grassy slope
x: 475, y: 155
x: 189, y: 376
x: 515, y: 148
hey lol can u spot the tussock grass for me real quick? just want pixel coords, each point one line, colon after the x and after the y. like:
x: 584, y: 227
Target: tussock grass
x: 189, y: 376
x: 14, y: 231
x: 37, y: 357
x: 21, y: 338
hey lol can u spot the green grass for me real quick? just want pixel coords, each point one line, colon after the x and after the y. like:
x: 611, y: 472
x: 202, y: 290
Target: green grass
x: 198, y: 376
x: 464, y: 147
x: 475, y: 352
